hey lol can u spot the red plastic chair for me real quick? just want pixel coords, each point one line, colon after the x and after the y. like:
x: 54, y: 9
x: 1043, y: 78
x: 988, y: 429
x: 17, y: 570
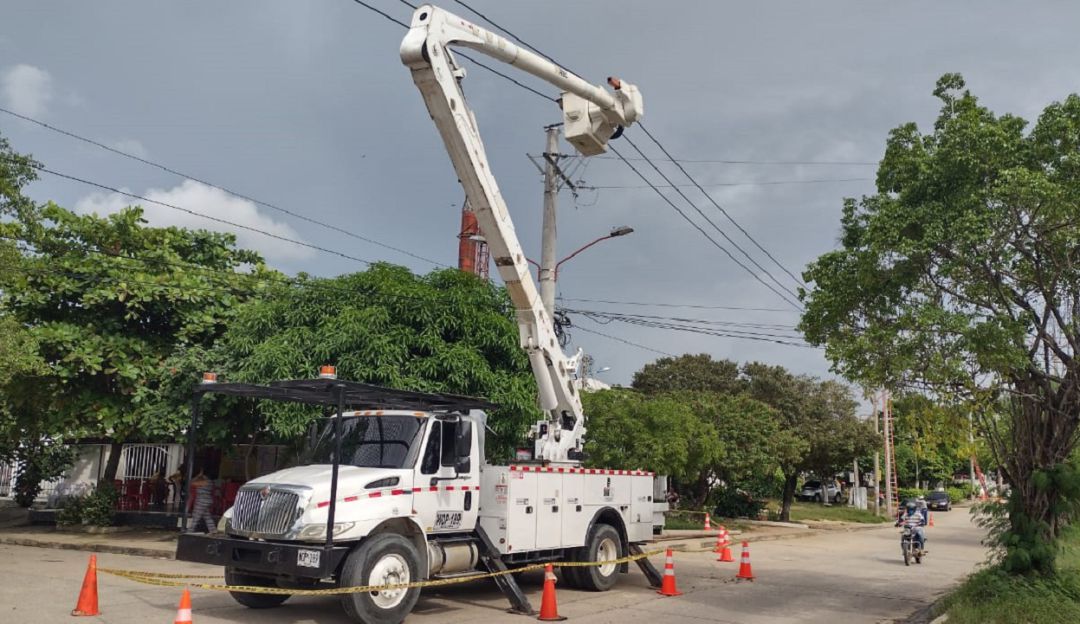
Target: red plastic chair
x: 145, y: 488
x: 129, y: 494
x: 232, y: 488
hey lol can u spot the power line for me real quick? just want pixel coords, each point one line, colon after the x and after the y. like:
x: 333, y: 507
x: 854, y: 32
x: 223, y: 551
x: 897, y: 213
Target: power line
x: 623, y: 340
x: 710, y: 221
x: 719, y: 184
x: 697, y: 161
x: 511, y: 35
x: 718, y: 206
x: 458, y: 53
x: 676, y: 305
x: 196, y: 213
x: 703, y: 232
x: 722, y: 323
x: 175, y: 172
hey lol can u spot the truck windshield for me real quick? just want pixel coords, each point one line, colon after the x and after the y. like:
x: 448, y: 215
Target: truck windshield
x: 370, y: 441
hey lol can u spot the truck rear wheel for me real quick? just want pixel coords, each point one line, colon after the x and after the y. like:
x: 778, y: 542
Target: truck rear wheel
x: 383, y: 559
x: 603, y: 544
x: 253, y: 601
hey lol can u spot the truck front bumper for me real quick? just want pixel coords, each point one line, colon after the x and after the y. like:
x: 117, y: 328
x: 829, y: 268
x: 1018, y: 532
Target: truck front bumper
x: 270, y: 558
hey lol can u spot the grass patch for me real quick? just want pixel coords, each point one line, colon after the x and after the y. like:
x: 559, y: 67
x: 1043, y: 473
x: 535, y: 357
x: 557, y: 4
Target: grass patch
x: 994, y: 597
x: 803, y: 512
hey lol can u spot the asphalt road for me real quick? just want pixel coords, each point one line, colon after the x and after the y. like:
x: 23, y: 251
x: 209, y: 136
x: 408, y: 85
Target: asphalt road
x: 835, y: 577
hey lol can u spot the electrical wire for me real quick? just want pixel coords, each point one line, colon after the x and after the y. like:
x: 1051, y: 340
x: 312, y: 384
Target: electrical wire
x: 703, y: 232
x: 512, y: 35
x: 249, y: 198
x: 700, y: 161
x: 719, y: 207
x: 623, y: 340
x: 202, y: 215
x: 676, y: 305
x: 711, y: 222
x: 720, y: 184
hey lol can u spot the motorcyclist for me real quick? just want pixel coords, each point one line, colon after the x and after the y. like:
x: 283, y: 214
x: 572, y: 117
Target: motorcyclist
x: 912, y: 517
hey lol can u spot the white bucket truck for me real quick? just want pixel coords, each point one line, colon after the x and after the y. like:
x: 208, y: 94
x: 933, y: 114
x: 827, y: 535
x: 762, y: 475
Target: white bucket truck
x: 396, y: 488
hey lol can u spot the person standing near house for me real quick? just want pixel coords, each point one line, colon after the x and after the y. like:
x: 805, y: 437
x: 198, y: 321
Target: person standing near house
x: 201, y: 503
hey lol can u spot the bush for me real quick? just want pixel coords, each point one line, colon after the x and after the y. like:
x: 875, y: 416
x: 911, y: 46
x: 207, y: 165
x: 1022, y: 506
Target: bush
x: 95, y: 509
x: 39, y: 461
x: 906, y: 493
x: 957, y: 494
x: 99, y: 508
x: 734, y: 502
x: 71, y: 512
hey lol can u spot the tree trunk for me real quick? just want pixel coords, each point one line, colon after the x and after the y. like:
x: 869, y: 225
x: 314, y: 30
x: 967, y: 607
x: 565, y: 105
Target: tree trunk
x: 791, y: 481
x: 113, y: 464
x: 1033, y: 454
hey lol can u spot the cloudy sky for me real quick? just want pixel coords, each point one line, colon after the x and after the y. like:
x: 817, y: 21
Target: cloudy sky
x: 304, y: 104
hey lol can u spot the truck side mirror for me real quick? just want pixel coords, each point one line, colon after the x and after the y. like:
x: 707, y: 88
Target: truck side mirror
x: 463, y: 447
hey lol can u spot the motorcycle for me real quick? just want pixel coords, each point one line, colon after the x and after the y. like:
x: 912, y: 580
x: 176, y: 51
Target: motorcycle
x: 910, y: 546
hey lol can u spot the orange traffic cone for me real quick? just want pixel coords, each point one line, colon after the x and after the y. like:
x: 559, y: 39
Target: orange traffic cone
x: 549, y: 608
x: 667, y: 587
x: 725, y: 555
x: 931, y: 519
x: 183, y: 613
x: 721, y: 539
x: 88, y: 604
x: 745, y: 573
x: 707, y: 527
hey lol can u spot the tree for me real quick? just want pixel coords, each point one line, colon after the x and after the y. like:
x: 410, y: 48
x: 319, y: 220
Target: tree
x: 931, y: 439
x: 818, y: 428
x: 748, y: 439
x: 698, y: 373
x: 443, y: 332
x: 107, y: 300
x: 664, y: 434
x: 961, y: 277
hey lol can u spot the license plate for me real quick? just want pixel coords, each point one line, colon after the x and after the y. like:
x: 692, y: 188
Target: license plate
x: 447, y: 520
x: 308, y: 558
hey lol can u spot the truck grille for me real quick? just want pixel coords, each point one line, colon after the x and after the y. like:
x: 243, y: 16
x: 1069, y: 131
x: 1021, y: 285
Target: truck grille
x: 265, y: 511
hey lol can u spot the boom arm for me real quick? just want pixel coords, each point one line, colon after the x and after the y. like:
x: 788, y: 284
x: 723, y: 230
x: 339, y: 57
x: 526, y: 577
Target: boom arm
x: 591, y: 115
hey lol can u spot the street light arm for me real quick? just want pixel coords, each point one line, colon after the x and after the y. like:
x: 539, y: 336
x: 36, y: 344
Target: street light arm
x: 567, y: 258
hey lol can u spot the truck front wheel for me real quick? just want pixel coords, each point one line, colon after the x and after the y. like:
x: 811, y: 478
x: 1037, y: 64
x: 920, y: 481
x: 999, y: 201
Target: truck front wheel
x: 234, y: 577
x: 603, y: 544
x: 382, y: 559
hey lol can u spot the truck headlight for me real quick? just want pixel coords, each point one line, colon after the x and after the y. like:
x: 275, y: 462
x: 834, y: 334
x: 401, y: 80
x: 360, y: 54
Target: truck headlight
x: 316, y: 531
x: 223, y: 524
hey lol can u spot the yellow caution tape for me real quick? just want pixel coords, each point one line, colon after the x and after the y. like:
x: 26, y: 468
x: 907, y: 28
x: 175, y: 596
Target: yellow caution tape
x: 179, y: 580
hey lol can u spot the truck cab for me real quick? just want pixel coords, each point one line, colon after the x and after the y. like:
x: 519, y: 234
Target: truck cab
x: 420, y: 467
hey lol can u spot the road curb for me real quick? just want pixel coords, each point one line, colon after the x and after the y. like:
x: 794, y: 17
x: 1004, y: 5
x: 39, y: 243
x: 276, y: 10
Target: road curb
x: 96, y: 547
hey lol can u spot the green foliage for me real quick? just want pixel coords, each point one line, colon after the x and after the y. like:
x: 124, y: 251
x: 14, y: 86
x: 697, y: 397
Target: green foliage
x: 993, y: 596
x: 104, y: 301
x: 733, y: 502
x: 663, y: 434
x: 447, y: 332
x: 696, y: 373
x: 818, y: 429
x: 38, y: 460
x: 958, y: 494
x: 907, y: 493
x: 97, y: 508
x: 960, y: 278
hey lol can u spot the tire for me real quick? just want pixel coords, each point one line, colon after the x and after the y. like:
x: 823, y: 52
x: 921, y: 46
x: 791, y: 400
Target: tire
x: 571, y: 576
x: 836, y: 499
x: 253, y: 601
x: 918, y: 559
x: 385, y: 558
x: 816, y: 498
x: 602, y: 544
x: 907, y: 556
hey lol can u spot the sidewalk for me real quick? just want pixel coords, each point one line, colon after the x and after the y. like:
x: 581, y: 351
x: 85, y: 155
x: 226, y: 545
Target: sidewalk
x: 162, y: 544
x: 140, y: 543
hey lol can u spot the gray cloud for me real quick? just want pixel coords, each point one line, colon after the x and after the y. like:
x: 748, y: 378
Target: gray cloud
x: 306, y: 105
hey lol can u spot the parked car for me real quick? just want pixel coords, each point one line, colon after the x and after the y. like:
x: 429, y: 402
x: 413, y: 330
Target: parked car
x: 811, y: 491
x: 938, y: 501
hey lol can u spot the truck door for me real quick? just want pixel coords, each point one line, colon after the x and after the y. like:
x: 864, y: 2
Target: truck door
x: 446, y: 500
